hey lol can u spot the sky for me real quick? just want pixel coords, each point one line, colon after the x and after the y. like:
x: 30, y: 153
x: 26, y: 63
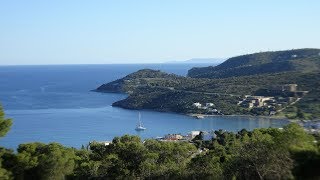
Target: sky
x: 151, y: 31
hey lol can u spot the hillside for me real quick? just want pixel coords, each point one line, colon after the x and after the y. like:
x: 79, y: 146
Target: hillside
x: 156, y: 90
x: 301, y: 60
x: 133, y: 80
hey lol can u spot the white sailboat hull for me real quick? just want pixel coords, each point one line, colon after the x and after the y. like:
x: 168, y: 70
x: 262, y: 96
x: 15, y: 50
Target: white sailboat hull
x: 140, y: 126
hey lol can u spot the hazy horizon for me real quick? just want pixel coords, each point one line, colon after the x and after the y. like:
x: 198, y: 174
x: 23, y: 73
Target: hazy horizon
x: 128, y: 63
x: 130, y: 32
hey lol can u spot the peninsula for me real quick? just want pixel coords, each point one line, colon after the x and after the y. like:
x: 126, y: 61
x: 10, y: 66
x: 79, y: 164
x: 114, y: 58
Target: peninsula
x: 280, y: 83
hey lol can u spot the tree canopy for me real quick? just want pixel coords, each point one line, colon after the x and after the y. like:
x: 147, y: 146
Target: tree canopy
x: 5, y: 123
x: 265, y: 153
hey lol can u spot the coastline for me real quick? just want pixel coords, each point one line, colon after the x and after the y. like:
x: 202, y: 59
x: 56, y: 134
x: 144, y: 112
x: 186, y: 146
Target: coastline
x: 195, y: 115
x: 240, y: 115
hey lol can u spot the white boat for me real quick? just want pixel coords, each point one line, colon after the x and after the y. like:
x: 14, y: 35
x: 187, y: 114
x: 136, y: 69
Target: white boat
x: 199, y: 116
x: 140, y: 125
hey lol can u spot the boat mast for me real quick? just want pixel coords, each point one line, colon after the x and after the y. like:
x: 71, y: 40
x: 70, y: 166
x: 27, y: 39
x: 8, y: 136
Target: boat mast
x: 140, y: 124
x: 139, y: 117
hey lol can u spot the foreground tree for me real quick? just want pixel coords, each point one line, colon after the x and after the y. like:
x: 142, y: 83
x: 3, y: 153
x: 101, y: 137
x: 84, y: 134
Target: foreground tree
x: 304, y: 151
x: 167, y: 159
x: 44, y: 161
x: 207, y: 166
x: 5, y: 123
x: 261, y: 160
x: 5, y: 174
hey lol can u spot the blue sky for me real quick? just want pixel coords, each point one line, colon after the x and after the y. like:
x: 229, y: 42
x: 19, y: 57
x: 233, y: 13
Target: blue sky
x: 150, y: 31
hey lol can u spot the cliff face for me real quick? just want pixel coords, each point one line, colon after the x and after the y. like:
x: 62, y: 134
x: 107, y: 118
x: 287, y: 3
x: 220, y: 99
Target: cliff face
x: 302, y: 60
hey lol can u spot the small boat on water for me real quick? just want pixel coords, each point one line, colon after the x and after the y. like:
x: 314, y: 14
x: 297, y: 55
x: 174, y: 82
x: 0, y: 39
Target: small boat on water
x: 140, y: 126
x: 199, y: 116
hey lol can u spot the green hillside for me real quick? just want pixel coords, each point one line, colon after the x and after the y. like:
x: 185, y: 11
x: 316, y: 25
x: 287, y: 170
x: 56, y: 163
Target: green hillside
x: 156, y: 90
x: 133, y: 80
x: 302, y: 60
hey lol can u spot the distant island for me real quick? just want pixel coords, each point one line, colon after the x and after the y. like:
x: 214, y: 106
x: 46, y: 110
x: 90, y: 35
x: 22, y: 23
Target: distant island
x: 279, y: 84
x: 199, y: 61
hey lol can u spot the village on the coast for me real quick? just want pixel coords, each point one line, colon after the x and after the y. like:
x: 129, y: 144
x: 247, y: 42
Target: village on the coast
x: 273, y: 100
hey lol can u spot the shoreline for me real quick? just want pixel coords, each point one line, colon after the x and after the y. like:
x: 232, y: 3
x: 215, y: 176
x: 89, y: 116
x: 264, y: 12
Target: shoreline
x: 240, y: 115
x: 194, y: 115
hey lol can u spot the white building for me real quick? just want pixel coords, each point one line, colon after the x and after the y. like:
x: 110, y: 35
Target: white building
x: 193, y: 134
x: 197, y: 104
x: 209, y: 104
x: 105, y: 143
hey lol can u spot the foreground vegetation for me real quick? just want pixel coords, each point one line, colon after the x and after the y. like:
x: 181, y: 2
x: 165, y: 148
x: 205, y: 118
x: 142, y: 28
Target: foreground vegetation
x: 271, y: 153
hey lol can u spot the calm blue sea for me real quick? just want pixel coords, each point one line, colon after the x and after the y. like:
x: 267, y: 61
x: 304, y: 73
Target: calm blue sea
x: 54, y: 104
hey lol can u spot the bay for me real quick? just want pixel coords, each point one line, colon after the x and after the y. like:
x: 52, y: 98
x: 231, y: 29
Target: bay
x: 53, y: 103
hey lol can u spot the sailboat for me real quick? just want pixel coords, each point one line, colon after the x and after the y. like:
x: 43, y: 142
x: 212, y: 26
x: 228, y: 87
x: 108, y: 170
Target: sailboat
x: 140, y: 125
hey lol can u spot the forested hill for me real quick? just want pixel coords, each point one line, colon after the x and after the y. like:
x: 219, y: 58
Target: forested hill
x: 133, y: 80
x: 302, y: 60
x: 227, y: 84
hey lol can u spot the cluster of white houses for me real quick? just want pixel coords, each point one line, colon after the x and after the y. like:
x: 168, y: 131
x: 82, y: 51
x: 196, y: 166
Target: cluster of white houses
x: 273, y: 98
x: 201, y: 106
x: 280, y: 96
x: 256, y: 101
x: 209, y: 107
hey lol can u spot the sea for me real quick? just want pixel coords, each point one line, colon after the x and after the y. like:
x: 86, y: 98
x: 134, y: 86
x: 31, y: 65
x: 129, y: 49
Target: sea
x: 54, y: 103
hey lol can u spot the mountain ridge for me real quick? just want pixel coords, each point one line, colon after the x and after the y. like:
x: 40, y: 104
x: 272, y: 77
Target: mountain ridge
x: 260, y: 63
